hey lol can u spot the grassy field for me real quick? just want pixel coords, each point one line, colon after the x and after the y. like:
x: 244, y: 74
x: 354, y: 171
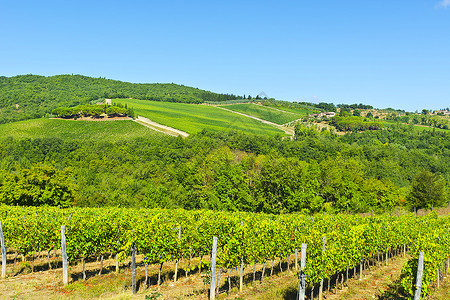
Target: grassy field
x: 265, y: 113
x: 71, y: 129
x: 193, y: 118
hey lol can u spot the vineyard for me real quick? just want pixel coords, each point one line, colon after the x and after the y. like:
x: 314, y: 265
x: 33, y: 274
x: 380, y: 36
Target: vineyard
x: 336, y: 245
x: 279, y: 117
x: 193, y: 118
x: 69, y: 130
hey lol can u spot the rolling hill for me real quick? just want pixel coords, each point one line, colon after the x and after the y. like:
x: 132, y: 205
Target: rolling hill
x: 33, y: 96
x: 193, y: 118
x: 111, y: 131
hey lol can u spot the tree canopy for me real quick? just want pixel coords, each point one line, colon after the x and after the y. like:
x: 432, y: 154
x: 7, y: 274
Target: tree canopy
x: 317, y: 171
x: 37, y: 186
x: 427, y: 190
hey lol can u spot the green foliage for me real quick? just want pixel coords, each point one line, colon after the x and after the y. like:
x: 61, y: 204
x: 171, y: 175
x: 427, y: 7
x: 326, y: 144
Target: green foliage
x: 87, y: 111
x: 325, y: 106
x: 356, y: 113
x: 124, y: 164
x: 354, y: 123
x: 354, y: 106
x: 432, y: 238
x: 242, y: 237
x: 427, y: 190
x: 302, y: 131
x: 32, y: 96
x: 153, y: 296
x: 434, y: 121
x: 114, y: 111
x: 40, y: 185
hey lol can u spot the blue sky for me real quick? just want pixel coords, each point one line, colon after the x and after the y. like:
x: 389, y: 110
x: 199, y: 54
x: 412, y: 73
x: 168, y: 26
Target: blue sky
x: 383, y: 53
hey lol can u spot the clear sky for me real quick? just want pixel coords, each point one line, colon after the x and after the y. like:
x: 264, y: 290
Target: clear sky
x: 384, y: 53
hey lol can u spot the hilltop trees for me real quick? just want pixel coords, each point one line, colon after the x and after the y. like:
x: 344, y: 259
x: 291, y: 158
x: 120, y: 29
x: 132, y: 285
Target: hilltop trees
x: 90, y: 110
x: 427, y: 190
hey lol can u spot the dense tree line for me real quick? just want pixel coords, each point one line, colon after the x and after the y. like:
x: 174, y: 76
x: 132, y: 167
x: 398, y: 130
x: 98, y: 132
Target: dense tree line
x: 333, y: 108
x: 32, y: 96
x: 92, y: 111
x: 437, y: 121
x: 317, y: 171
x: 354, y: 123
x: 354, y: 106
x: 322, y: 106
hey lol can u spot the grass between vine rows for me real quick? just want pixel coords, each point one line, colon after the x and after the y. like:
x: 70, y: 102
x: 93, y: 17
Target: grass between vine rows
x: 379, y: 283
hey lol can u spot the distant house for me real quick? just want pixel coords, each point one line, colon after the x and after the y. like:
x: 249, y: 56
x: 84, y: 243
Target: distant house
x: 321, y: 115
x: 443, y: 112
x: 108, y: 101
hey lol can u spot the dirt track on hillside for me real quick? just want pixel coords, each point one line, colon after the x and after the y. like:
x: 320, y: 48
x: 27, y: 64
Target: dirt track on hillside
x: 287, y: 130
x: 159, y: 127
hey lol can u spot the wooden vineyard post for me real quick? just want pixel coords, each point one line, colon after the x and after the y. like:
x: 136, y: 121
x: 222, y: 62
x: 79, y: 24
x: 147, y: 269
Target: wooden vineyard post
x: 437, y: 278
x: 64, y: 256
x: 241, y: 275
x: 241, y: 272
x: 361, y: 269
x: 324, y: 242
x: 2, y: 240
x: 117, y: 263
x: 133, y: 265
x: 133, y: 268
x: 419, y: 277
x: 296, y: 256
x: 178, y: 259
x: 212, y: 289
x: 302, y: 281
x: 448, y: 266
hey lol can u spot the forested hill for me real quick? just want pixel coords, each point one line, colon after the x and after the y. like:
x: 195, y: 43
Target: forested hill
x: 33, y: 96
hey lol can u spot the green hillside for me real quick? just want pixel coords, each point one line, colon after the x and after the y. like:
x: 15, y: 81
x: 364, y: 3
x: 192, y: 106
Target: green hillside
x: 265, y: 113
x: 193, y: 118
x: 112, y: 131
x: 32, y: 96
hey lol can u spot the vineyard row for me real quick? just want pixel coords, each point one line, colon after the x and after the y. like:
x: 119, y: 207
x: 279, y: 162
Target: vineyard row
x: 336, y: 243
